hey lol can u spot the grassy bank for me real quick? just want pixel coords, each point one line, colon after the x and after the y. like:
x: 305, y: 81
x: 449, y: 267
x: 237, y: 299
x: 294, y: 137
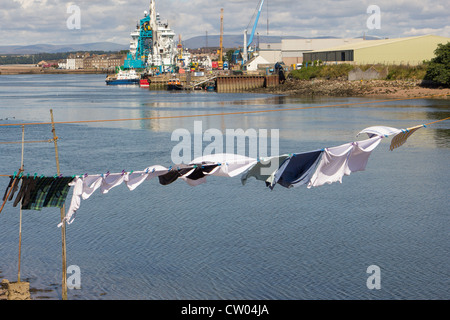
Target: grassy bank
x: 341, y: 72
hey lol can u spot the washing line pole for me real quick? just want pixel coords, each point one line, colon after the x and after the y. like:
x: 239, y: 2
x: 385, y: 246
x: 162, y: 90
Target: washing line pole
x: 20, y: 216
x: 63, y: 210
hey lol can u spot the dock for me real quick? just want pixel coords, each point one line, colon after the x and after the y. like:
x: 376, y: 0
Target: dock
x: 223, y: 83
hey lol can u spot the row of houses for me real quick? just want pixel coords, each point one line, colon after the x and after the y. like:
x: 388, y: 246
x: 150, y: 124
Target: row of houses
x: 397, y: 51
x: 86, y: 61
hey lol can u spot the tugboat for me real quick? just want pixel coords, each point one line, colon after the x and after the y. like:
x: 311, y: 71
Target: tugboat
x: 174, y: 84
x: 210, y: 86
x: 124, y: 77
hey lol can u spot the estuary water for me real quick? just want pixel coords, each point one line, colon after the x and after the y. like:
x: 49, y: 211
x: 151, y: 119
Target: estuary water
x: 223, y: 240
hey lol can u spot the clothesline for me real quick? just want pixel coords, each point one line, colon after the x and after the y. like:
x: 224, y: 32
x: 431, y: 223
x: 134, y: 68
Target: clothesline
x: 222, y: 113
x: 20, y: 142
x: 313, y: 169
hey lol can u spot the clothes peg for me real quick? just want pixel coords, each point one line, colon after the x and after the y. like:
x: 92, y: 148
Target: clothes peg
x: 107, y: 173
x: 15, y: 174
x: 35, y: 175
x: 153, y: 170
x: 123, y: 172
x: 424, y: 125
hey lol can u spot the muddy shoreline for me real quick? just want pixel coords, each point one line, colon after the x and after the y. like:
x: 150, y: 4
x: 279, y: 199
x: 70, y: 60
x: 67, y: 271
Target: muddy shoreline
x: 364, y: 88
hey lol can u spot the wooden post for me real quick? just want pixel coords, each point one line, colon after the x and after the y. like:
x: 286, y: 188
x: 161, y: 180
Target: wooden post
x: 63, y: 211
x: 20, y: 215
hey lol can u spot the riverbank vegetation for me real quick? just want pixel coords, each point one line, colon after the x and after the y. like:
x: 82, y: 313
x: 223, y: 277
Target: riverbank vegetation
x: 436, y: 71
x: 341, y: 71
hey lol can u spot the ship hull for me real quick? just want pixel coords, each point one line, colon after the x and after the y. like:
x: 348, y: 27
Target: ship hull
x: 174, y: 87
x: 122, y: 82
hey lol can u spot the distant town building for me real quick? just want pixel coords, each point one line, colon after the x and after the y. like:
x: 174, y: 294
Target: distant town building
x: 76, y: 61
x: 254, y: 63
x: 62, y: 64
x: 101, y: 62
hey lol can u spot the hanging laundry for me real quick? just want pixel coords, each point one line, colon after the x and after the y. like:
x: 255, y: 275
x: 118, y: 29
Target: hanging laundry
x: 359, y: 157
x: 11, y: 179
x: 28, y: 186
x: 86, y: 185
x: 399, y: 139
x: 230, y: 165
x: 176, y: 172
x: 12, y: 188
x: 259, y: 169
x: 57, y: 193
x: 198, y: 175
x: 37, y: 199
x: 338, y: 161
x: 379, y: 131
x: 37, y: 193
x: 296, y: 170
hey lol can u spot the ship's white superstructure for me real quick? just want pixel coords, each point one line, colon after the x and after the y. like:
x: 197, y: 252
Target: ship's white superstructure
x: 164, y: 51
x: 161, y: 55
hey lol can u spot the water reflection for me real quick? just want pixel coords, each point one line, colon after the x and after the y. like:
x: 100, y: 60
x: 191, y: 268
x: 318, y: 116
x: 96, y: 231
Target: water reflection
x: 86, y: 97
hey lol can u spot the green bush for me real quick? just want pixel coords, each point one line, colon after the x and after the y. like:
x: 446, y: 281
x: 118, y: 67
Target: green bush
x: 439, y: 67
x: 407, y: 72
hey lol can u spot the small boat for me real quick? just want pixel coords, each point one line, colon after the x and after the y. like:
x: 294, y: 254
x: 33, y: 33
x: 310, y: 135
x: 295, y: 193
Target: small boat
x: 210, y: 86
x: 124, y: 77
x: 144, y: 83
x: 174, y: 84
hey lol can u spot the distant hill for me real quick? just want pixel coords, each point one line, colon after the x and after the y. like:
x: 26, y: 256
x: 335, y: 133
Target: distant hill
x: 229, y: 41
x: 236, y: 41
x: 51, y: 48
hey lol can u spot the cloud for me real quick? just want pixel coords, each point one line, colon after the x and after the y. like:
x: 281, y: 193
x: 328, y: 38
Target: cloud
x: 44, y: 21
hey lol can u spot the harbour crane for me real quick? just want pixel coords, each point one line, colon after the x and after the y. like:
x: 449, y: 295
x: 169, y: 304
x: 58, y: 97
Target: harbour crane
x: 221, y: 40
x: 248, y: 43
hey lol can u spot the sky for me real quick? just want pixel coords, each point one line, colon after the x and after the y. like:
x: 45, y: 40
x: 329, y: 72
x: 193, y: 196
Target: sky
x: 26, y: 22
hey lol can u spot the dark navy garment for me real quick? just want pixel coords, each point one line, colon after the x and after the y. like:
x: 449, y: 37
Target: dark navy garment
x: 297, y: 169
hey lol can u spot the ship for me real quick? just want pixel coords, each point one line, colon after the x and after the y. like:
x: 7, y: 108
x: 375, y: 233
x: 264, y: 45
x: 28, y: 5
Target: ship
x: 152, y: 48
x: 124, y: 77
x: 174, y: 84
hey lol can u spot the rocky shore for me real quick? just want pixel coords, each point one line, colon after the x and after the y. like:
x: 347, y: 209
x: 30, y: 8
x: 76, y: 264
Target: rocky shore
x: 363, y: 88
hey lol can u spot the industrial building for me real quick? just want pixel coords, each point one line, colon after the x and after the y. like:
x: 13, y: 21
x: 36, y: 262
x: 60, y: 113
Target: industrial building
x: 291, y: 51
x: 399, y: 51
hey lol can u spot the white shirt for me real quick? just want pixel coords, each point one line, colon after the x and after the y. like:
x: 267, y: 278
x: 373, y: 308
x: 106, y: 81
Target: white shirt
x: 343, y: 160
